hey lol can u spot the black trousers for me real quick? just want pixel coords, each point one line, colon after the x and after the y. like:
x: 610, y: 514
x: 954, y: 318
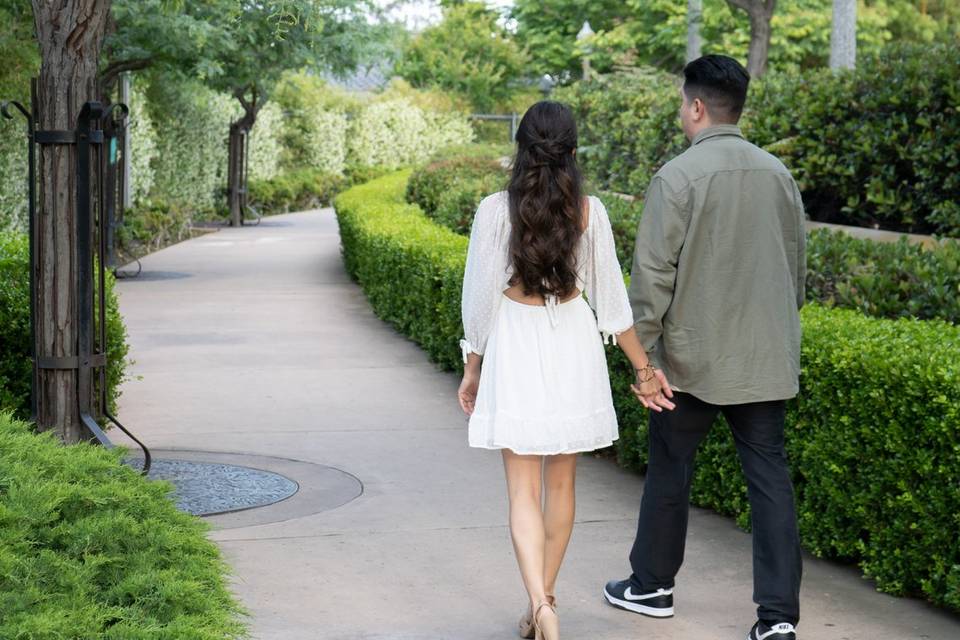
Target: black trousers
x: 662, y: 529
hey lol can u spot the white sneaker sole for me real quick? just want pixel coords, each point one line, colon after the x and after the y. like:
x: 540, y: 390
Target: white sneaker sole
x: 653, y: 612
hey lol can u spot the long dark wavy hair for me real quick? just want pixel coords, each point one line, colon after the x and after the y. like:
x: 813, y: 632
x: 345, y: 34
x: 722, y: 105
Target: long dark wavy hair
x: 545, y: 194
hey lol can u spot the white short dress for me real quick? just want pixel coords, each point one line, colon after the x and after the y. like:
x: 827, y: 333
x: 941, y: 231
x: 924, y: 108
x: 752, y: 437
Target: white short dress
x: 544, y: 386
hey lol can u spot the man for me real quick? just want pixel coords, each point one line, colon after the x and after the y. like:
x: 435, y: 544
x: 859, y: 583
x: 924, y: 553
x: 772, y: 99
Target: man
x: 716, y: 285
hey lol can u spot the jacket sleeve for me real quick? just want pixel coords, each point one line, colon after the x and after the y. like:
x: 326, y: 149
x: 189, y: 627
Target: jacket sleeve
x: 606, y: 291
x: 483, y: 275
x: 660, y: 237
x: 800, y: 265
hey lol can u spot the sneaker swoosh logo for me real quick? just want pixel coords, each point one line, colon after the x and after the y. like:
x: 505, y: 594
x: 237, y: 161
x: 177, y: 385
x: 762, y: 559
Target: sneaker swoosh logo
x: 629, y: 595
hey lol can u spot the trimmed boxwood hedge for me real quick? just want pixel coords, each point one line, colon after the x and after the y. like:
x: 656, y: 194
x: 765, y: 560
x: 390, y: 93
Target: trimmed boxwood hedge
x: 873, y: 436
x: 91, y: 549
x: 15, y: 366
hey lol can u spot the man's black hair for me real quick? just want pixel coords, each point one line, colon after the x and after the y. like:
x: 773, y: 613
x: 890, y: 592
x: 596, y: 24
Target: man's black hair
x: 721, y: 83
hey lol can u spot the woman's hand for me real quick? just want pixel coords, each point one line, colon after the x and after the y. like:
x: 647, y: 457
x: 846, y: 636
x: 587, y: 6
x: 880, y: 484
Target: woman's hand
x: 467, y: 394
x: 654, y: 393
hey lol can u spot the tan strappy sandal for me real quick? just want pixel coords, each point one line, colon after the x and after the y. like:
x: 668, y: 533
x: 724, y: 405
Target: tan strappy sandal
x: 526, y: 620
x: 538, y: 632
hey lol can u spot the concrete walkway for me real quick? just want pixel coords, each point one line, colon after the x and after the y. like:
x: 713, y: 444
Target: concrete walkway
x: 254, y: 341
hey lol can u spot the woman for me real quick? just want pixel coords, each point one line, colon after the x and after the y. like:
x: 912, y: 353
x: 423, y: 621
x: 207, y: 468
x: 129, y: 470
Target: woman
x: 542, y: 393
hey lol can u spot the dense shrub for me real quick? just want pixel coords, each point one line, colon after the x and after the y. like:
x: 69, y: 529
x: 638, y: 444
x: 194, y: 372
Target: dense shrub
x: 295, y: 191
x: 447, y: 180
x: 876, y: 147
x: 628, y: 127
x: 872, y: 437
x: 879, y: 146
x: 15, y: 365
x: 151, y: 226
x: 91, y: 549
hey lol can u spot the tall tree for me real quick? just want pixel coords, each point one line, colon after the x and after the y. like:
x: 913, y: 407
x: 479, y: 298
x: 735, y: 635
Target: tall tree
x: 760, y: 13
x: 70, y: 34
x: 843, y: 35
x: 694, y: 19
x: 468, y: 54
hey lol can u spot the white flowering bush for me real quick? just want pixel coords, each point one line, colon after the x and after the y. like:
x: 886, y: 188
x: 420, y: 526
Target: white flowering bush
x: 396, y: 132
x: 13, y: 173
x: 143, y: 145
x: 325, y: 140
x: 193, y: 124
x: 265, y: 144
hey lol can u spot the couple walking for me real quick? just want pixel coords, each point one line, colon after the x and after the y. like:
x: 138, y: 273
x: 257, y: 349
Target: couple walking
x: 710, y: 325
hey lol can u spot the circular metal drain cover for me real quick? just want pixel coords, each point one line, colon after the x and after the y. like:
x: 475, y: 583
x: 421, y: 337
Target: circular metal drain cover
x: 206, y: 488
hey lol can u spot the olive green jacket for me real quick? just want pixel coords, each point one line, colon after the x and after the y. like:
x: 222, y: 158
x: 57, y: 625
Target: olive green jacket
x: 718, y: 271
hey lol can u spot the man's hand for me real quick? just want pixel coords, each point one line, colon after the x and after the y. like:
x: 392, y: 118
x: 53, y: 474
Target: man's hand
x: 655, y: 393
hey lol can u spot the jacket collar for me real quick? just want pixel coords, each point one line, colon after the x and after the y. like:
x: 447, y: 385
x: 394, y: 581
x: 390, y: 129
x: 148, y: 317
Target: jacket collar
x: 717, y: 130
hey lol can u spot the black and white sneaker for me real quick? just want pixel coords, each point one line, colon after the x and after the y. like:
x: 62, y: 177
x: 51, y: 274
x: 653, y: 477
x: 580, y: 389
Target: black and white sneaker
x: 656, y: 604
x: 781, y: 631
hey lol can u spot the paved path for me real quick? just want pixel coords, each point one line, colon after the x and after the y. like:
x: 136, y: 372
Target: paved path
x: 254, y: 341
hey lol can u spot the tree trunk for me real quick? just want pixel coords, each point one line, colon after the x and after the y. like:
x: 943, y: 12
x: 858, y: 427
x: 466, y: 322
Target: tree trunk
x: 70, y: 35
x: 236, y: 153
x: 760, y: 12
x: 694, y: 20
x: 843, y: 35
x: 759, y: 45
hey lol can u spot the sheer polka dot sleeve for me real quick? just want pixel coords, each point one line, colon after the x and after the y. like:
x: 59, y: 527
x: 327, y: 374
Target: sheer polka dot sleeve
x: 485, y: 275
x: 606, y: 291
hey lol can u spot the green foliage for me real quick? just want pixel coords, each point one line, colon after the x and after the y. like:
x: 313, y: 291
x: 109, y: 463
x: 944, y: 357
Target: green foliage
x: 150, y: 226
x: 628, y: 127
x: 20, y: 61
x: 429, y: 184
x: 91, y: 549
x: 548, y: 30
x: 15, y: 365
x: 886, y: 280
x: 295, y: 191
x: 875, y: 147
x: 872, y: 437
x: 654, y: 32
x: 878, y: 147
x: 468, y: 54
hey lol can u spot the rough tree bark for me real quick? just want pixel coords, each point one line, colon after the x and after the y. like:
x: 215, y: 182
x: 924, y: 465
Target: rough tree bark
x: 843, y: 35
x: 239, y: 138
x: 760, y: 12
x: 694, y: 19
x: 70, y: 35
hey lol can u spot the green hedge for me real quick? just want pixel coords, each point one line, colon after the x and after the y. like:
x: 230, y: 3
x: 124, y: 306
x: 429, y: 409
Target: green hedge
x: 872, y: 437
x: 448, y: 190
x: 90, y: 549
x: 295, y: 191
x: 15, y: 365
x: 885, y: 280
x: 878, y: 146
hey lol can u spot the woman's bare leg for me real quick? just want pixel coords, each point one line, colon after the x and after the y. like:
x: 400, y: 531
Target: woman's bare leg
x: 526, y: 528
x: 560, y: 506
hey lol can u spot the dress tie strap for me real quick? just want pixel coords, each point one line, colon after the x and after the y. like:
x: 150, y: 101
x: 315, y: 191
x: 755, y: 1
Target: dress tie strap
x: 553, y: 309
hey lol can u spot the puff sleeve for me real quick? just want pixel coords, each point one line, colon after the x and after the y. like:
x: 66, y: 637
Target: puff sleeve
x: 605, y: 288
x: 484, y: 275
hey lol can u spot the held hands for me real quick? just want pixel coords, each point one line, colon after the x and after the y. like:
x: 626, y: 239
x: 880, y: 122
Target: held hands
x: 652, y: 389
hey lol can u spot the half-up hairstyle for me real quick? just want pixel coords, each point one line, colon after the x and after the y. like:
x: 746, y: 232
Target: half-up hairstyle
x: 545, y: 195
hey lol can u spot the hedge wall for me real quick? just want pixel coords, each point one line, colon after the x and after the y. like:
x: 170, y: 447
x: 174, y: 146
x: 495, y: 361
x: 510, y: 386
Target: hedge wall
x: 15, y: 366
x: 91, y: 549
x: 872, y: 438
